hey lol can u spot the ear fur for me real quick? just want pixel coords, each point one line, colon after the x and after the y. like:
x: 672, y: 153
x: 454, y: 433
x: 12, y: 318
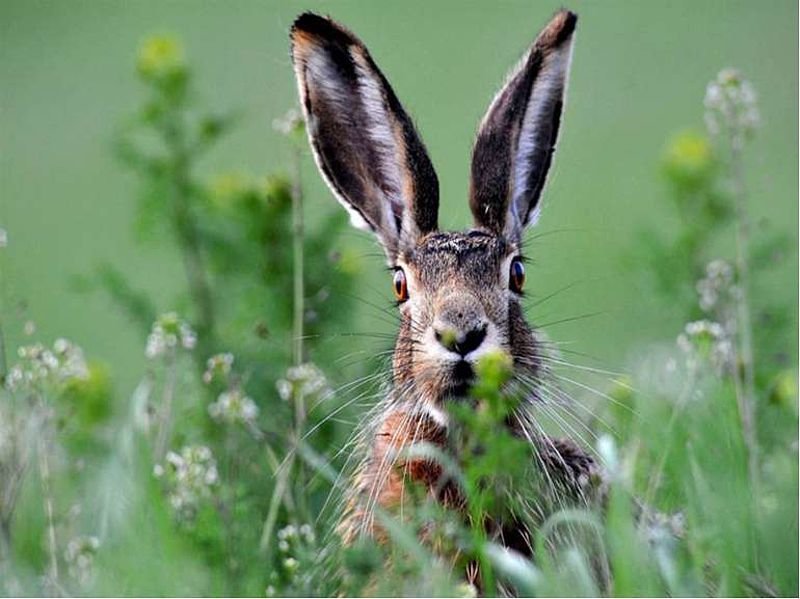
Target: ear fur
x: 364, y: 143
x: 517, y: 137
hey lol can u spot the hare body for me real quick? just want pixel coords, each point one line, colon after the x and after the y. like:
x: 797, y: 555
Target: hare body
x: 458, y: 292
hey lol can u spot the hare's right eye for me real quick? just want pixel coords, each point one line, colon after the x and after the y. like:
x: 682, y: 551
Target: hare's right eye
x: 400, y: 285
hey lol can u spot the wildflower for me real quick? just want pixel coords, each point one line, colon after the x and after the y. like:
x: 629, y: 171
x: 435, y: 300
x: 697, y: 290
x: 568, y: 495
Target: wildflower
x: 191, y: 477
x: 169, y: 332
x: 705, y: 339
x: 284, y: 389
x: 290, y: 564
x: 79, y: 556
x: 716, y: 286
x: 161, y: 57
x: 218, y: 365
x: 291, y: 122
x: 305, y: 380
x: 233, y: 406
x: 689, y: 159
x: 3, y: 238
x: 731, y: 104
x: 40, y: 365
x: 288, y: 532
x: 226, y: 188
x: 307, y: 533
x: 467, y: 589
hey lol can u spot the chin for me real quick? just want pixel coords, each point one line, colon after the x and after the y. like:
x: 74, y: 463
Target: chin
x: 456, y: 381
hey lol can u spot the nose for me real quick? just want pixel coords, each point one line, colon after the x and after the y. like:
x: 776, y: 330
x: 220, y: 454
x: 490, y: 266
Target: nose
x: 460, y: 342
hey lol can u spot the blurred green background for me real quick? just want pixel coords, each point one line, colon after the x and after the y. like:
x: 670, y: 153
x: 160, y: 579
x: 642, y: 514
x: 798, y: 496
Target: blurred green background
x: 639, y: 73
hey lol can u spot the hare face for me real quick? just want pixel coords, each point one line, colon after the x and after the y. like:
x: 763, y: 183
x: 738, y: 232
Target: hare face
x: 458, y: 292
x: 460, y: 300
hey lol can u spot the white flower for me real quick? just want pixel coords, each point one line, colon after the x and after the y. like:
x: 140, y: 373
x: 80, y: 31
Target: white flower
x: 79, y: 556
x: 704, y: 339
x: 39, y: 365
x: 305, y: 380
x: 233, y: 406
x: 290, y: 564
x: 291, y: 121
x: 3, y: 238
x: 218, y: 365
x: 190, y: 476
x: 731, y: 105
x: 716, y: 287
x: 169, y: 332
x: 284, y: 389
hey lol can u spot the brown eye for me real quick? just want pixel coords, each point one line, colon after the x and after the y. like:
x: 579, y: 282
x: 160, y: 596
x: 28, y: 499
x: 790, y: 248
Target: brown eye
x: 400, y: 286
x: 516, y: 277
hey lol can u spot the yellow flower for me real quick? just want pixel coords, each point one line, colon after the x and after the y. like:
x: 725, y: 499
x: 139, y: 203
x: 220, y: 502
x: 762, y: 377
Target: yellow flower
x: 689, y: 158
x: 160, y: 56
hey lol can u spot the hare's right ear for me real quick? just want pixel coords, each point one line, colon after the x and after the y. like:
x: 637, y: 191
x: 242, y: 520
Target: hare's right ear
x: 364, y: 143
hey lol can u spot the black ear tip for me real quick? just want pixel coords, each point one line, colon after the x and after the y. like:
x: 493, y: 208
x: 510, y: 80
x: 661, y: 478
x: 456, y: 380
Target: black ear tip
x: 311, y: 23
x: 314, y: 28
x: 559, y: 29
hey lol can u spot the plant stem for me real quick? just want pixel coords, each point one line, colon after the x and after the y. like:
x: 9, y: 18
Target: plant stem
x: 188, y: 235
x: 166, y: 407
x: 744, y: 376
x: 44, y: 473
x: 297, y: 257
x: 299, y: 310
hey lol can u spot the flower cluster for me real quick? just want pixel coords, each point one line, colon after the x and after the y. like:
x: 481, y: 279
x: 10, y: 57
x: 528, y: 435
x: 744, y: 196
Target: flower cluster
x: 707, y: 340
x: 40, y: 365
x: 191, y: 477
x: 294, y: 535
x: 218, y: 366
x: 169, y: 332
x: 731, y: 105
x: 296, y: 544
x: 716, y: 288
x: 305, y: 380
x: 233, y: 407
x: 79, y: 557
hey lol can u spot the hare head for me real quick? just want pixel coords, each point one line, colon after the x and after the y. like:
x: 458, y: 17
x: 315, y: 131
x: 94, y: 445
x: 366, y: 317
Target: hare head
x: 458, y: 293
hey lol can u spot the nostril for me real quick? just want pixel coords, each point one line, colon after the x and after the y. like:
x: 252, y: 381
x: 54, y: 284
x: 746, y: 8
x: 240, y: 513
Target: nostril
x: 471, y: 341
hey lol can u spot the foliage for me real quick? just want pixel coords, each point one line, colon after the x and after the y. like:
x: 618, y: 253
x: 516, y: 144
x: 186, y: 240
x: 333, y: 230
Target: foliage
x: 212, y: 477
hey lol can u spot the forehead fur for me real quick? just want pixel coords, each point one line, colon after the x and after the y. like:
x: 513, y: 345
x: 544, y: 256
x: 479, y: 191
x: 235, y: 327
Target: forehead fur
x: 475, y: 255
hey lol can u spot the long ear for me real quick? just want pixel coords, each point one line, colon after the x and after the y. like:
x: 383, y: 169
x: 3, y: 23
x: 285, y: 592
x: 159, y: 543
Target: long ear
x: 364, y: 143
x: 517, y: 137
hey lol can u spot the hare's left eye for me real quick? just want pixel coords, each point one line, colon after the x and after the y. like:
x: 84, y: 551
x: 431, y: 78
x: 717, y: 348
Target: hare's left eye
x: 516, y: 276
x: 400, y: 286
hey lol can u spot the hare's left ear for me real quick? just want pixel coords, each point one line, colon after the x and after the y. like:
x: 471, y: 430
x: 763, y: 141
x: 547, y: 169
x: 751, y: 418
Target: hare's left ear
x: 517, y: 137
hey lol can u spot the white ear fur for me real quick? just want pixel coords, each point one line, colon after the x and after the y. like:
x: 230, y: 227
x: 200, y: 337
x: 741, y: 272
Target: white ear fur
x: 550, y: 86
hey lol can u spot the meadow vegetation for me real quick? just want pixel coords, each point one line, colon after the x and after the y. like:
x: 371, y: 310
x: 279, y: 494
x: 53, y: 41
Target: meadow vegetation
x: 221, y: 474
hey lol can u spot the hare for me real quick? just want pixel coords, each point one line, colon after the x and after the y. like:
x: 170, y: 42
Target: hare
x: 458, y: 293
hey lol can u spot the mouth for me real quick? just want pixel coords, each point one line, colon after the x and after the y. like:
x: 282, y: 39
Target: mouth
x: 461, y: 379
